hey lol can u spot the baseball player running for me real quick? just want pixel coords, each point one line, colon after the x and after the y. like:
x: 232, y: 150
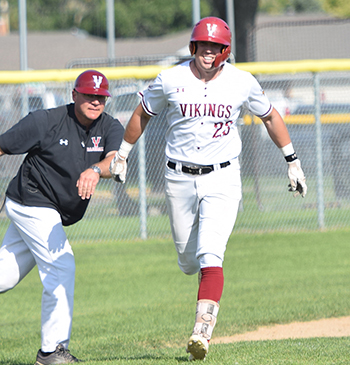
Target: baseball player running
x: 203, y: 98
x: 69, y: 149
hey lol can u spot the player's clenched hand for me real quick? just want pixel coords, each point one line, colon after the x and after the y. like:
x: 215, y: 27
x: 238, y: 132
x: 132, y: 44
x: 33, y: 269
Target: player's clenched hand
x: 297, y: 178
x: 118, y: 168
x: 86, y: 183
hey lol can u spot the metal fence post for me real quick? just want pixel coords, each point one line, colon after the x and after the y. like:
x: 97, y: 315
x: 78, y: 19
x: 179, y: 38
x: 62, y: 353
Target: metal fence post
x: 110, y: 29
x: 318, y: 126
x: 142, y: 186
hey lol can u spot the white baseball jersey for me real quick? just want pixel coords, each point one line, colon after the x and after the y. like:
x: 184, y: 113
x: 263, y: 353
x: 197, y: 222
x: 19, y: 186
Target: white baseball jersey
x: 202, y: 117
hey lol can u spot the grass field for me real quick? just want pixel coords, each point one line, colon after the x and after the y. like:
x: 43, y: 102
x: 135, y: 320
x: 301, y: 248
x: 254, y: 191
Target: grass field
x: 134, y: 306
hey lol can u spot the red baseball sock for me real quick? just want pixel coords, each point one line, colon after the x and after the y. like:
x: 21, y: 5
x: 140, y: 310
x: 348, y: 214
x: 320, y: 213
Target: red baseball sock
x: 212, y: 284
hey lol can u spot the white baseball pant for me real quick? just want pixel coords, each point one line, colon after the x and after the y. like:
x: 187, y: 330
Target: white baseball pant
x: 36, y: 237
x: 202, y: 211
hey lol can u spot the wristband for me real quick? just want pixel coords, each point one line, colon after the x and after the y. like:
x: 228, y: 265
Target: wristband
x: 289, y: 153
x: 287, y: 150
x: 125, y: 149
x: 291, y: 158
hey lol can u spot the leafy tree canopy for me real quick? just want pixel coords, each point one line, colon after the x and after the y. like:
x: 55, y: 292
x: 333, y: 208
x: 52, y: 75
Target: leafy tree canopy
x: 151, y: 18
x: 133, y: 18
x: 140, y: 18
x: 286, y: 6
x: 339, y: 8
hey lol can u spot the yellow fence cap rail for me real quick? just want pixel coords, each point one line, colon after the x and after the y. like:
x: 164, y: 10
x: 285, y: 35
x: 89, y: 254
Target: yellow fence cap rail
x: 296, y: 66
x: 64, y: 75
x: 150, y: 72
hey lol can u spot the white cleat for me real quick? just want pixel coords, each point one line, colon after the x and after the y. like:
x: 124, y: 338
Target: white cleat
x: 198, y: 347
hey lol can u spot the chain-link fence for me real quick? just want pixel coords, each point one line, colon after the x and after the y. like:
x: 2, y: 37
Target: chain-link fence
x: 291, y: 38
x: 316, y: 108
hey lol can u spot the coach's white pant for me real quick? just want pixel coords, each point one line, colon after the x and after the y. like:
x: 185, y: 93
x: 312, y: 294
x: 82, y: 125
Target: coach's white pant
x: 36, y: 237
x: 202, y: 211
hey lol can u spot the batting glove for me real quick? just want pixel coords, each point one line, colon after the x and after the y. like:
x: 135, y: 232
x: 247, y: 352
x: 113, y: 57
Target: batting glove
x: 118, y: 168
x: 118, y: 165
x: 296, y: 178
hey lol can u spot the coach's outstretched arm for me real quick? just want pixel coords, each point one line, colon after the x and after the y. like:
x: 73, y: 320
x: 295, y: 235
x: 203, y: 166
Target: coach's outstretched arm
x: 278, y: 132
x: 133, y: 131
x: 89, y: 178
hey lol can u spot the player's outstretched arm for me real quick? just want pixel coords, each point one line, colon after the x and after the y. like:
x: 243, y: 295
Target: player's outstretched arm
x: 136, y: 125
x: 278, y: 132
x: 276, y: 128
x: 133, y: 131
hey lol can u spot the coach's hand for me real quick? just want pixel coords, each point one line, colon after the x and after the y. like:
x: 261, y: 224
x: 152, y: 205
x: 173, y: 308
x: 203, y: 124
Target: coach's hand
x: 297, y: 178
x: 86, y: 183
x: 118, y: 168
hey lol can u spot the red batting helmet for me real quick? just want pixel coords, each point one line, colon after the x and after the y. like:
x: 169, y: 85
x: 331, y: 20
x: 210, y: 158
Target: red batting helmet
x: 92, y: 82
x: 212, y: 29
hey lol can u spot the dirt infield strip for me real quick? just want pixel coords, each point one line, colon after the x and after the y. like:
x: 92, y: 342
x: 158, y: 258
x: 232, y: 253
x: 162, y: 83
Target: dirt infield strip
x: 330, y: 327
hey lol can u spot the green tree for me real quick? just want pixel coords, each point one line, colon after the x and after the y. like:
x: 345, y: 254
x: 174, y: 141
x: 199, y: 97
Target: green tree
x: 284, y: 6
x: 339, y: 8
x: 133, y: 18
x: 151, y: 18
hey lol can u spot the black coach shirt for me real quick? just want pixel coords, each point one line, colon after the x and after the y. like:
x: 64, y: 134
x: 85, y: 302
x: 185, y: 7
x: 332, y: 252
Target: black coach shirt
x: 58, y: 150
